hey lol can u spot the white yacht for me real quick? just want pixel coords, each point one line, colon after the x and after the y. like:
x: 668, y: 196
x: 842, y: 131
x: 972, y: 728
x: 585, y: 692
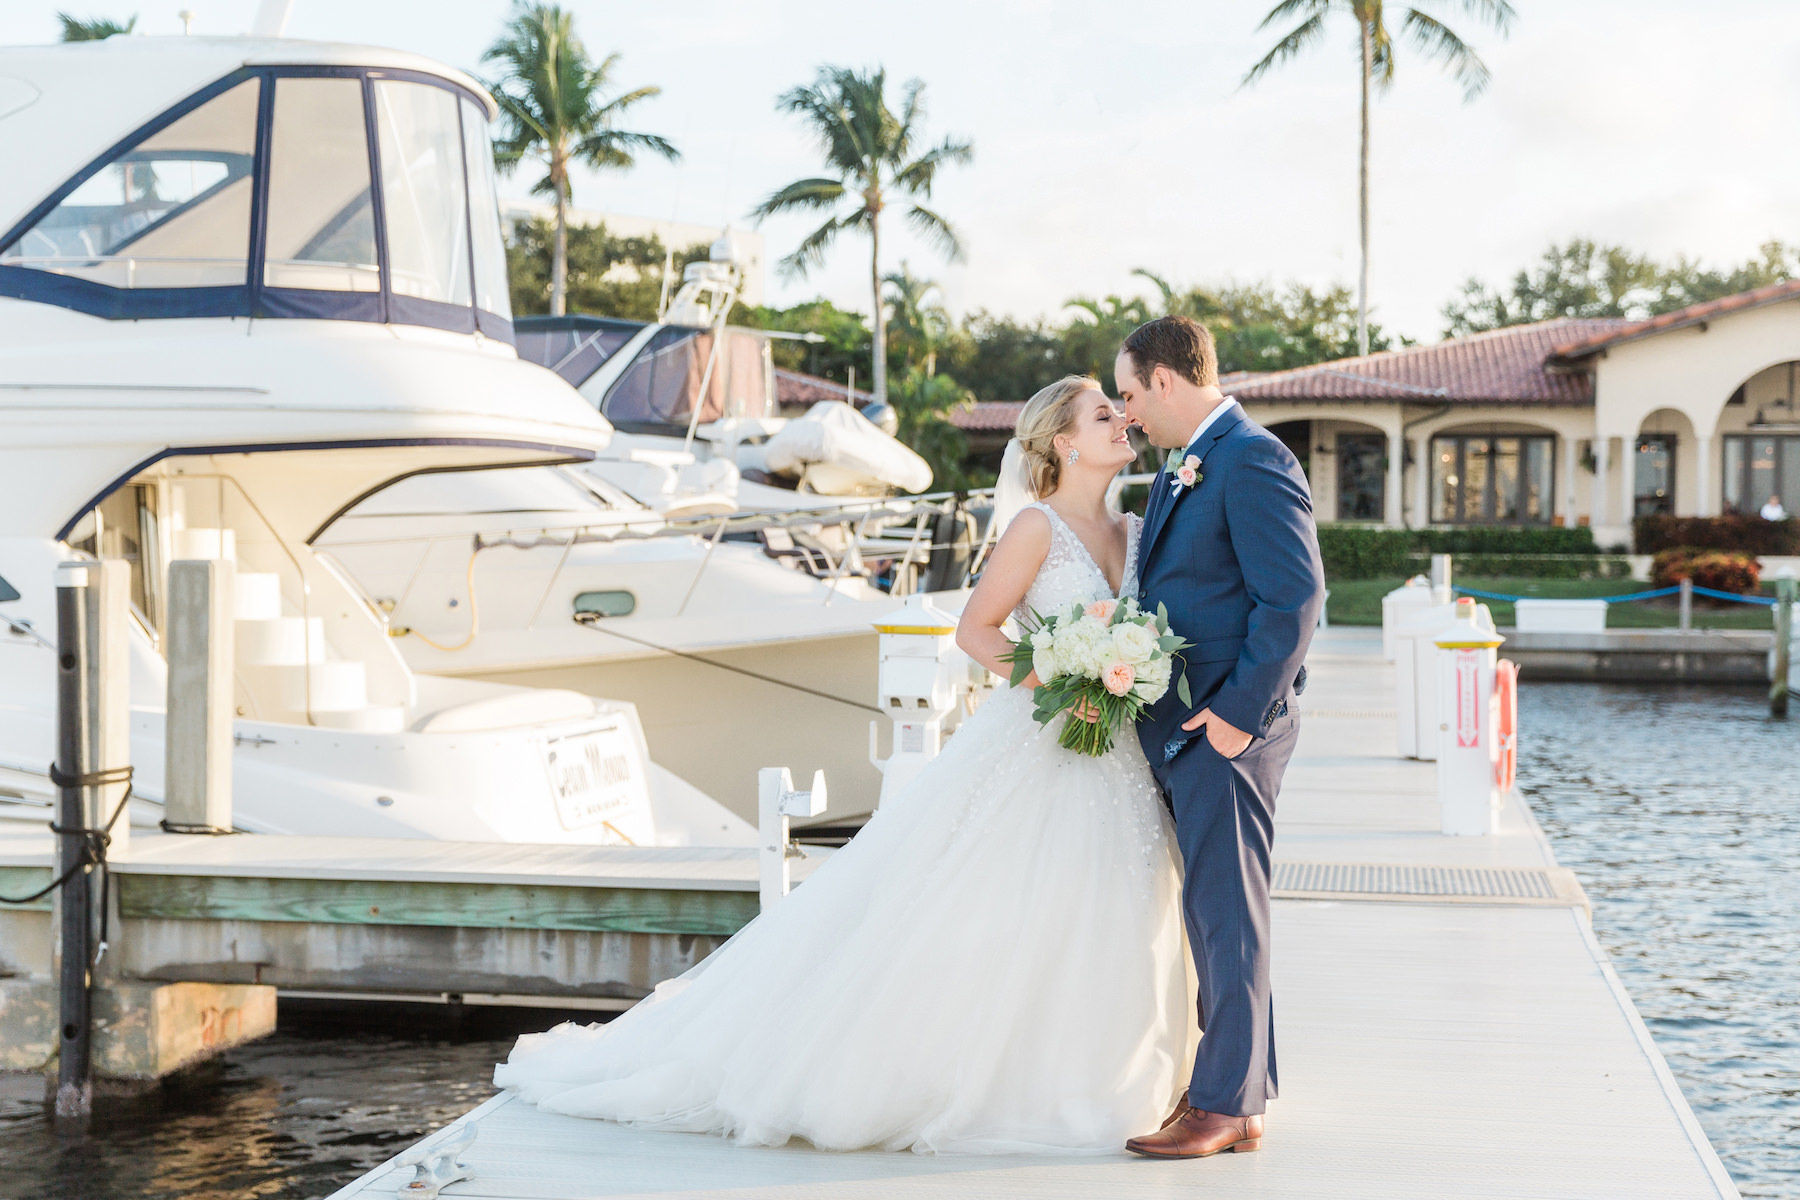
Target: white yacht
x: 260, y: 283
x: 655, y: 572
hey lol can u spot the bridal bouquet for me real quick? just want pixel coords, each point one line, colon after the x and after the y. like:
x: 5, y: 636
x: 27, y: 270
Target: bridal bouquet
x: 1110, y: 655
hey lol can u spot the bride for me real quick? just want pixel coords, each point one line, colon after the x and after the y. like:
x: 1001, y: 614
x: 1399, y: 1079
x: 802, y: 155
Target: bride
x: 995, y: 963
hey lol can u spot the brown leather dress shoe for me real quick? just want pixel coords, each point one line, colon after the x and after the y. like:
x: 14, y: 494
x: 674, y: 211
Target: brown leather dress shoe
x: 1197, y: 1134
x: 1181, y: 1107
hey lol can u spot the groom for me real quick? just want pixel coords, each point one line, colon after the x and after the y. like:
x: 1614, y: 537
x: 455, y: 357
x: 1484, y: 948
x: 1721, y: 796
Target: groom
x: 1230, y: 548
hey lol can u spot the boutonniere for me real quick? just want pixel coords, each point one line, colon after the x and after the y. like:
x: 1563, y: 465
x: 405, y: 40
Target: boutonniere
x: 1186, y: 475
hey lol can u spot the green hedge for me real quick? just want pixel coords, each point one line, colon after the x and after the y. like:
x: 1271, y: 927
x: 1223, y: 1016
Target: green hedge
x: 1362, y: 552
x: 1741, y: 534
x: 1530, y: 566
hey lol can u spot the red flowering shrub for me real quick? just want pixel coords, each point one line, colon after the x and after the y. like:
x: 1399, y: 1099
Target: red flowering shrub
x: 1719, y: 570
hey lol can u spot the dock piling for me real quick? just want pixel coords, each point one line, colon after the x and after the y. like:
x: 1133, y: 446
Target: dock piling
x: 1687, y: 606
x: 1440, y: 579
x: 93, y: 746
x: 1784, y: 635
x: 197, y: 787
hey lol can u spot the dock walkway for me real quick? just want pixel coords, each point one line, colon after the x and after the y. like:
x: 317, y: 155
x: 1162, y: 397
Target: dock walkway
x: 1449, y: 1027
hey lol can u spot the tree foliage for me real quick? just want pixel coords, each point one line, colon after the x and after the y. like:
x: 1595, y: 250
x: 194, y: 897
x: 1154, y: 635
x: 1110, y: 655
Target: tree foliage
x: 1375, y: 39
x: 874, y: 158
x: 557, y: 106
x: 93, y: 29
x: 1584, y: 278
x: 847, y: 343
x: 608, y: 276
x: 924, y: 403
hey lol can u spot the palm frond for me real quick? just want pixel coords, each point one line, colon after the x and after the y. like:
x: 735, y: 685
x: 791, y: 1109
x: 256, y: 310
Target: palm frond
x: 613, y: 147
x: 1440, y: 42
x: 825, y: 104
x: 1298, y: 39
x: 1497, y: 13
x: 916, y: 177
x: 811, y: 252
x: 1292, y: 8
x: 93, y: 29
x: 912, y: 113
x: 802, y: 194
x: 934, y: 229
x: 1162, y: 285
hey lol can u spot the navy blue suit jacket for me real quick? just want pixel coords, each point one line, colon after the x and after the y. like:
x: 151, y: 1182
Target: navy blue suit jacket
x: 1235, y: 559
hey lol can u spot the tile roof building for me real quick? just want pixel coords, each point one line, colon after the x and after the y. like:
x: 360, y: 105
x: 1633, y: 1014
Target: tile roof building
x: 1571, y: 421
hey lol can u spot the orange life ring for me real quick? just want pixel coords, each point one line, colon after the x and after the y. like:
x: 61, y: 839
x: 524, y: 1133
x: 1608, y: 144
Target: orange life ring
x: 1506, y: 696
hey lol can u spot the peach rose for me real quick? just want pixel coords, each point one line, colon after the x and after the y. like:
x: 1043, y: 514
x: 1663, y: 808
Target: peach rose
x: 1102, y: 610
x: 1118, y: 678
x: 1186, y: 475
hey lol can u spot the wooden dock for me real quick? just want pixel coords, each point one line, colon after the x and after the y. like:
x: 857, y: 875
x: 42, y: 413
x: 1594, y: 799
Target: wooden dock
x: 1449, y: 1027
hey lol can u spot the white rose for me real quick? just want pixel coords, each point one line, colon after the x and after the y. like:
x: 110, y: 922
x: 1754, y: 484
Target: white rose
x: 1045, y: 663
x: 1134, y: 643
x: 1158, y: 669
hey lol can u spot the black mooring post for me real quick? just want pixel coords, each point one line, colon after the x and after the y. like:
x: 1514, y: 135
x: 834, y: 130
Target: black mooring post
x: 74, y: 649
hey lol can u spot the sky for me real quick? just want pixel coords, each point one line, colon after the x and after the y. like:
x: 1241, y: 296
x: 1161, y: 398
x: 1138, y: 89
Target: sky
x: 1110, y: 137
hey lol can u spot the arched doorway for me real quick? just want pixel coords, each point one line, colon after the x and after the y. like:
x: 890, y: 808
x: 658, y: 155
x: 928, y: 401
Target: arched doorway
x: 1346, y: 465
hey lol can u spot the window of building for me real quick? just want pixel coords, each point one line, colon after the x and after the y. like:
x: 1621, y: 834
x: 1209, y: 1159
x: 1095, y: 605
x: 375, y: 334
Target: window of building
x: 1502, y: 480
x: 1655, y: 474
x: 1758, y: 467
x: 321, y: 230
x: 171, y: 211
x: 1362, y: 476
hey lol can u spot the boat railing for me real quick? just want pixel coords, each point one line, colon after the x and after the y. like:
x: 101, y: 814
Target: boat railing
x: 869, y: 528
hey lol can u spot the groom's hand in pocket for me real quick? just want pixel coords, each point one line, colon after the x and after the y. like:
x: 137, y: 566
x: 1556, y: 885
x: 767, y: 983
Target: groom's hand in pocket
x: 1224, y: 737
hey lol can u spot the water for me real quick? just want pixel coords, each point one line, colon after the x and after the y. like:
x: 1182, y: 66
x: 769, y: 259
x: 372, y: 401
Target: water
x: 292, y: 1117
x: 1679, y: 809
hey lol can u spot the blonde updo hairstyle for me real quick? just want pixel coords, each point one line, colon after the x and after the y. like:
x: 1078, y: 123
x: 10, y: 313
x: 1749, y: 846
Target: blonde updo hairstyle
x: 1048, y: 415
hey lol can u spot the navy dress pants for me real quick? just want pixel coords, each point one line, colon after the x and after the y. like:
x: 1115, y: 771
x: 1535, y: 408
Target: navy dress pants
x: 1225, y: 826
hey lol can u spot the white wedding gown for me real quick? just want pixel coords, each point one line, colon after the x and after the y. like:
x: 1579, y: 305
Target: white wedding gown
x: 994, y: 964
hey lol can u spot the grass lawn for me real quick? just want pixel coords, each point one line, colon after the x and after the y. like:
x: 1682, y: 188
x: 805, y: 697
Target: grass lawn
x: 1358, y: 602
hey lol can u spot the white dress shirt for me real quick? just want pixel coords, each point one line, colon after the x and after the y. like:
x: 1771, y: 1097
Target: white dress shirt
x: 1224, y: 406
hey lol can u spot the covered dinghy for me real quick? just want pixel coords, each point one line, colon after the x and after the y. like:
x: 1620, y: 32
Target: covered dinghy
x: 837, y: 452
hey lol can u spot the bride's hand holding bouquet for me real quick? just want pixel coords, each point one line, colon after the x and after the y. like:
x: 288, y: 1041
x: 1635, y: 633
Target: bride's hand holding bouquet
x: 1103, y: 664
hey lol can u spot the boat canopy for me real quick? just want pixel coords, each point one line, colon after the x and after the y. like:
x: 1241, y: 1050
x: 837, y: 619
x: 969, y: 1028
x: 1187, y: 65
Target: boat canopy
x: 286, y: 179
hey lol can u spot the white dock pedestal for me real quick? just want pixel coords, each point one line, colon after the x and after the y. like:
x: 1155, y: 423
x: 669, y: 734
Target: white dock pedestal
x: 776, y: 801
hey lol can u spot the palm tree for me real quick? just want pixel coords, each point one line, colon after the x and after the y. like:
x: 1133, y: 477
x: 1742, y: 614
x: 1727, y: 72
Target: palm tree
x: 919, y: 318
x: 871, y: 154
x: 1376, y: 43
x: 554, y: 103
x: 93, y: 29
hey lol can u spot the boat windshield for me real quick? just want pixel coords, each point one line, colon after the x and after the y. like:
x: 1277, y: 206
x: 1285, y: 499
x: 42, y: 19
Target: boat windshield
x: 371, y: 199
x: 573, y: 347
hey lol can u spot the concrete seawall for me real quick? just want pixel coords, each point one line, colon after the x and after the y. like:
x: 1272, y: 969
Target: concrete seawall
x: 1642, y: 656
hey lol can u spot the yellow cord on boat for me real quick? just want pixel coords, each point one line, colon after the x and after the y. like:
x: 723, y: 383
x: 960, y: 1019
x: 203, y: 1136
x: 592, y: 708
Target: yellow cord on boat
x: 474, y: 613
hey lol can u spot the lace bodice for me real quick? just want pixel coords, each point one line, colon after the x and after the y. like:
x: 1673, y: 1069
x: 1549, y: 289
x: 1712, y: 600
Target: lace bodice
x: 1070, y: 574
